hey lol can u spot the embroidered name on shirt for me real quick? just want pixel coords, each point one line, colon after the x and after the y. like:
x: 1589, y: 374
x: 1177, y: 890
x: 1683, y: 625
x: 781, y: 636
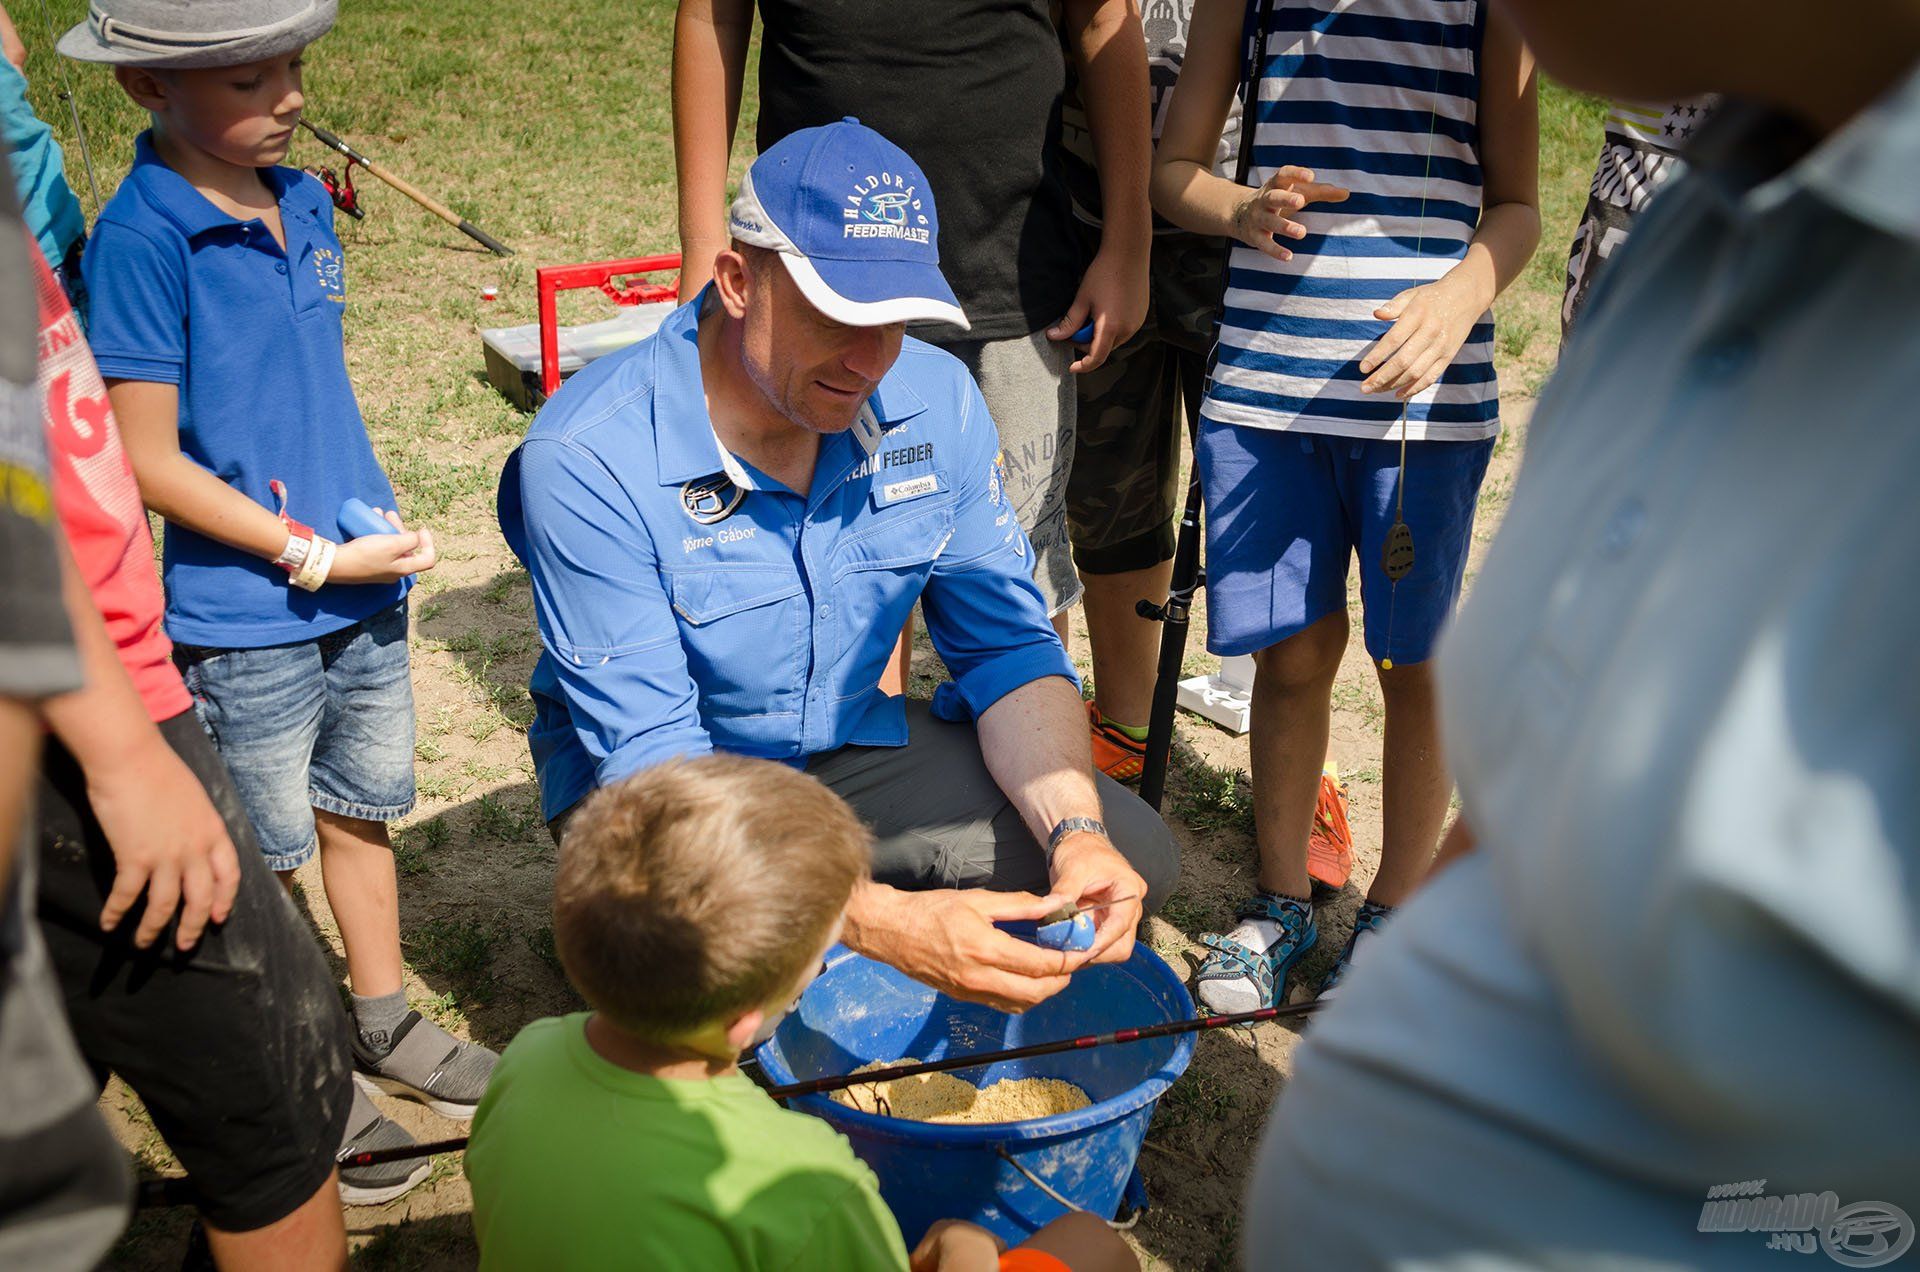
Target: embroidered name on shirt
x: 732, y: 534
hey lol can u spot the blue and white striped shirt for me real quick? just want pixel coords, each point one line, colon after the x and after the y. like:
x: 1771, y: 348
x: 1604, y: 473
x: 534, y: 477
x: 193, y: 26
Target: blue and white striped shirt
x: 1381, y: 97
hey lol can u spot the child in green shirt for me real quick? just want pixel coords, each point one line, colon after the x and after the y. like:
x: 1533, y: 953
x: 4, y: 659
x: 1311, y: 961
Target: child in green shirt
x: 693, y: 903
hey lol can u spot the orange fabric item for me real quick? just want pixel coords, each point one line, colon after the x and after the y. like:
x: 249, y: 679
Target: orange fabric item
x: 1114, y: 753
x: 1032, y: 1261
x: 99, y: 503
x: 1330, y: 842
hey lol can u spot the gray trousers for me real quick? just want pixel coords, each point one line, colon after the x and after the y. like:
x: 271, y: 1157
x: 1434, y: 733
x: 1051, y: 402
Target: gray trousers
x: 940, y: 821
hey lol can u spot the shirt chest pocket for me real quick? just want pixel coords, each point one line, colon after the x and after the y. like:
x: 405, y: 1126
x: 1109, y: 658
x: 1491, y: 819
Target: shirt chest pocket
x: 744, y: 630
x: 904, y: 541
x: 878, y: 573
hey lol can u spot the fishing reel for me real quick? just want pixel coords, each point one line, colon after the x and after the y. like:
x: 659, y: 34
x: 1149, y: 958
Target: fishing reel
x: 345, y: 197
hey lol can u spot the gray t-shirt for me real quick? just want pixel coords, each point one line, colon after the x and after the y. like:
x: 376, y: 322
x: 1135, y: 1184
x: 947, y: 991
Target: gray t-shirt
x: 45, y: 1220
x: 1684, y: 710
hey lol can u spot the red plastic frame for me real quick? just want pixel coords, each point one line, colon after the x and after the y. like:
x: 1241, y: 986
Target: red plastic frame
x: 555, y: 279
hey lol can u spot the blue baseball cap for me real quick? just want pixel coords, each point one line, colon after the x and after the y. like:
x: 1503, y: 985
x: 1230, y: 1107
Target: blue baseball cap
x: 852, y: 219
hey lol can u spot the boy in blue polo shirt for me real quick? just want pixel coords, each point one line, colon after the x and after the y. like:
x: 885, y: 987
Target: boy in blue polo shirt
x: 217, y: 297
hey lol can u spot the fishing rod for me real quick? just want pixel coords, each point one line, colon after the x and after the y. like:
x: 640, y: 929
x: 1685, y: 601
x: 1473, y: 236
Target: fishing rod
x: 974, y: 1059
x: 178, y: 1191
x: 431, y: 204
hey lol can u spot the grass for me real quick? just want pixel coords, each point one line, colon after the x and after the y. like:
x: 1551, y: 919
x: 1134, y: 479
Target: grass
x: 1202, y: 1100
x: 1208, y: 798
x: 460, y: 949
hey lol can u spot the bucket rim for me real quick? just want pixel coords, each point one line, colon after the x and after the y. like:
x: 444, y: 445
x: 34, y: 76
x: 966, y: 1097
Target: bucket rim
x: 981, y: 1134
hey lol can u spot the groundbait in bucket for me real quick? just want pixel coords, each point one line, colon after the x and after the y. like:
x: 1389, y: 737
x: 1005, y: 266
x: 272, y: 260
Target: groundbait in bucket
x: 998, y: 1175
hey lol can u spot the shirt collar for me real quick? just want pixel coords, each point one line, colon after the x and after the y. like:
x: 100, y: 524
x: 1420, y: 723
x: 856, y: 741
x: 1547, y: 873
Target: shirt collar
x: 177, y: 200
x: 686, y: 445
x: 1762, y: 158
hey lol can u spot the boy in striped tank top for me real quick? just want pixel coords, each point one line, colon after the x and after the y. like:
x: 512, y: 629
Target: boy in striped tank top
x: 1389, y: 196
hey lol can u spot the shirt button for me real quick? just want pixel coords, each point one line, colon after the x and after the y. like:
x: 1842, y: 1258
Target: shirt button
x: 826, y: 610
x: 280, y: 267
x: 1624, y: 527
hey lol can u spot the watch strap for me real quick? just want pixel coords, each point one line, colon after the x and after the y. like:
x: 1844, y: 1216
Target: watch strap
x: 1070, y: 825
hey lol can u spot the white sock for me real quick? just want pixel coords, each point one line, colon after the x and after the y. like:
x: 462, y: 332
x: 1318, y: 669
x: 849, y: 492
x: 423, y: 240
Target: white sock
x: 1240, y: 993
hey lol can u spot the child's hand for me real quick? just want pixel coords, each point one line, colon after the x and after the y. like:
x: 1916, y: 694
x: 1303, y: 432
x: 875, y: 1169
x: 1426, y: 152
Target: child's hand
x: 953, y: 1245
x: 169, y: 844
x: 1266, y: 213
x: 1113, y: 298
x: 384, y: 558
x: 1430, y: 323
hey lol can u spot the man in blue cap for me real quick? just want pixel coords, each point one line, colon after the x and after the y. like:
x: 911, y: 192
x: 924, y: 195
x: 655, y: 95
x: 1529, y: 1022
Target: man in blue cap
x: 726, y: 526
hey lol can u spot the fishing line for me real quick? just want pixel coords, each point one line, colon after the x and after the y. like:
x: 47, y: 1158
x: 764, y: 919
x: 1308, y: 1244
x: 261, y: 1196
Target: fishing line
x: 73, y: 106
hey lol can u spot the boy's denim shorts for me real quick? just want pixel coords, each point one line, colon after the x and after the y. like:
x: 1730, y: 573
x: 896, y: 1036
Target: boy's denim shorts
x: 324, y: 724
x: 1287, y: 511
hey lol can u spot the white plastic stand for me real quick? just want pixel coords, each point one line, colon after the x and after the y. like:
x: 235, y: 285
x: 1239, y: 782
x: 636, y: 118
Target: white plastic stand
x: 1226, y: 697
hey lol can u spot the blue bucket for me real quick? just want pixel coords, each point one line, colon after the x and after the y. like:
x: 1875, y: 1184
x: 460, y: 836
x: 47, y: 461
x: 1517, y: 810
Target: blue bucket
x: 859, y: 1011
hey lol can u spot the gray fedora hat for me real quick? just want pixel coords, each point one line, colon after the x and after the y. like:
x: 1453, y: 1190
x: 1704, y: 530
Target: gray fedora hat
x: 196, y: 33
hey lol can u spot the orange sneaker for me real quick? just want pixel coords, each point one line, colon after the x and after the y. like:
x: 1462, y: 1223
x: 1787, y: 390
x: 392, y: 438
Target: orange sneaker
x: 1330, y: 842
x: 1114, y: 753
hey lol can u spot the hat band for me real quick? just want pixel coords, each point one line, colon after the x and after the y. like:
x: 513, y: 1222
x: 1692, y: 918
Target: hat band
x: 117, y: 34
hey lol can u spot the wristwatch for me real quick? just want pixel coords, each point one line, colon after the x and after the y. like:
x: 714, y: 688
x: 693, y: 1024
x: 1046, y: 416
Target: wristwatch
x: 1071, y: 825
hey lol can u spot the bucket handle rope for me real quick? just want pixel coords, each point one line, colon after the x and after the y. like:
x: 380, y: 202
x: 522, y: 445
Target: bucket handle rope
x: 1050, y: 1191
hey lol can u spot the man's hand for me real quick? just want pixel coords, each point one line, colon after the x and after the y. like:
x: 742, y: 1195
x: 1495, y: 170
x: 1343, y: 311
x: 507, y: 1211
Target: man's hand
x: 947, y: 939
x: 1088, y: 870
x: 168, y: 841
x: 1113, y: 295
x: 954, y: 1245
x: 1264, y: 217
x: 384, y: 558
x: 1430, y: 323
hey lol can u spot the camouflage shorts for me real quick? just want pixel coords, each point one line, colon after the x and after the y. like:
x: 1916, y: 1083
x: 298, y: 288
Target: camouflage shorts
x: 1125, y: 486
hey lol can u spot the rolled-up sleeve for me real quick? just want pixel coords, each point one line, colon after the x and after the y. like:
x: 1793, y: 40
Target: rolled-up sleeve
x: 605, y: 620
x: 984, y: 613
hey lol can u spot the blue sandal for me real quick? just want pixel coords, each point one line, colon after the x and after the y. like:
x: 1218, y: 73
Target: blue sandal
x: 1365, y: 923
x: 1267, y: 971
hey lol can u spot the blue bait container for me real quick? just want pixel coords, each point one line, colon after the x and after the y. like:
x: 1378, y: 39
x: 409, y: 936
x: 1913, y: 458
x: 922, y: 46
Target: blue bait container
x: 859, y: 1011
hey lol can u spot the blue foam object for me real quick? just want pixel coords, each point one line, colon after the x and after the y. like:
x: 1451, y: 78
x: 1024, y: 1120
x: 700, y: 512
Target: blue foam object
x: 357, y: 519
x: 1084, y: 335
x: 859, y: 1011
x: 1074, y: 934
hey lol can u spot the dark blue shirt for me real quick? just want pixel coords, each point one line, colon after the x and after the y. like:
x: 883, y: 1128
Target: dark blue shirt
x: 675, y: 620
x: 183, y: 294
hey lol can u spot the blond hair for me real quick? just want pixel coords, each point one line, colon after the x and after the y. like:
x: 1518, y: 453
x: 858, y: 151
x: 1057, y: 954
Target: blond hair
x: 700, y: 889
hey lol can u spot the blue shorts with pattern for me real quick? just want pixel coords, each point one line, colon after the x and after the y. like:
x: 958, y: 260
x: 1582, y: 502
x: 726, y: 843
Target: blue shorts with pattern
x: 1287, y: 511
x: 324, y: 724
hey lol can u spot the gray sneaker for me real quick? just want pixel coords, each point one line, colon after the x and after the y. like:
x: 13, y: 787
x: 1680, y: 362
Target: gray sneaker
x: 369, y: 1129
x: 426, y: 1063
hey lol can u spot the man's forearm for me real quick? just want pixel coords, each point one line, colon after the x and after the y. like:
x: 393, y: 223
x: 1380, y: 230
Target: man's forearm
x: 710, y: 40
x: 1111, y: 49
x: 1037, y: 747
